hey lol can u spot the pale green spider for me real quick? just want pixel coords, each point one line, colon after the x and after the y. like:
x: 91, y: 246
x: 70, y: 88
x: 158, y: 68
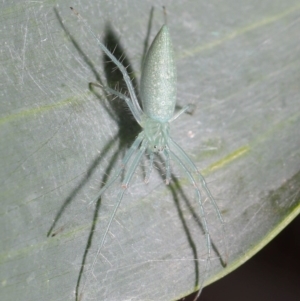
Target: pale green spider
x: 158, y: 96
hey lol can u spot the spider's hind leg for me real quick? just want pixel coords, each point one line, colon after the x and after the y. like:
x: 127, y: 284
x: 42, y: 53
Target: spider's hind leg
x: 133, y: 161
x: 192, y: 167
x: 150, y: 168
x: 168, y: 168
x: 206, y: 230
x: 195, y: 177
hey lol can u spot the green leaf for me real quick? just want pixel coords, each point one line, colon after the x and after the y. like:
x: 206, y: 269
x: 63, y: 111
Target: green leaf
x: 59, y: 140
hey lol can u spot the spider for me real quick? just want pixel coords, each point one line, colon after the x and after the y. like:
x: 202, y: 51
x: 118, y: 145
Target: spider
x: 158, y: 97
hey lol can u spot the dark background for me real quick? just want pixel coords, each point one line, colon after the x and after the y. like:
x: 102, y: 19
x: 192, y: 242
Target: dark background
x: 273, y: 274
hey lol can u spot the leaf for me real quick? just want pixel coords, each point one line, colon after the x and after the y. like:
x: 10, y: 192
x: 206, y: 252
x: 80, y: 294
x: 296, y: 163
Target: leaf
x: 239, y: 65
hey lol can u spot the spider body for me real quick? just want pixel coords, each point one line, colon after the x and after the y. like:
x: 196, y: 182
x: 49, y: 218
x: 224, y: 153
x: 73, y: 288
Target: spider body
x: 158, y: 91
x: 158, y: 96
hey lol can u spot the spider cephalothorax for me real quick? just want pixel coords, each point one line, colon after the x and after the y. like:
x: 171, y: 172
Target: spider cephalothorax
x: 156, y: 133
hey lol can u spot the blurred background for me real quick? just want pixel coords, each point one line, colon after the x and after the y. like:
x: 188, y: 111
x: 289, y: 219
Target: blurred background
x: 271, y: 275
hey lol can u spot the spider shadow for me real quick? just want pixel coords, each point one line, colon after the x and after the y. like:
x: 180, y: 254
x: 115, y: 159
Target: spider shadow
x: 128, y: 130
x: 178, y: 193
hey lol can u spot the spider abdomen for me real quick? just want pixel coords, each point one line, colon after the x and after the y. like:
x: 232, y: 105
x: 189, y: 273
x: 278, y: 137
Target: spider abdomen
x: 158, y: 81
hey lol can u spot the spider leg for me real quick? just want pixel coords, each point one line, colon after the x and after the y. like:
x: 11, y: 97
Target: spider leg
x: 189, y: 166
x: 129, y: 102
x: 137, y: 111
x: 149, y: 170
x: 202, y: 214
x: 118, y: 172
x: 168, y: 170
x: 188, y: 162
x: 128, y: 176
x: 180, y: 112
